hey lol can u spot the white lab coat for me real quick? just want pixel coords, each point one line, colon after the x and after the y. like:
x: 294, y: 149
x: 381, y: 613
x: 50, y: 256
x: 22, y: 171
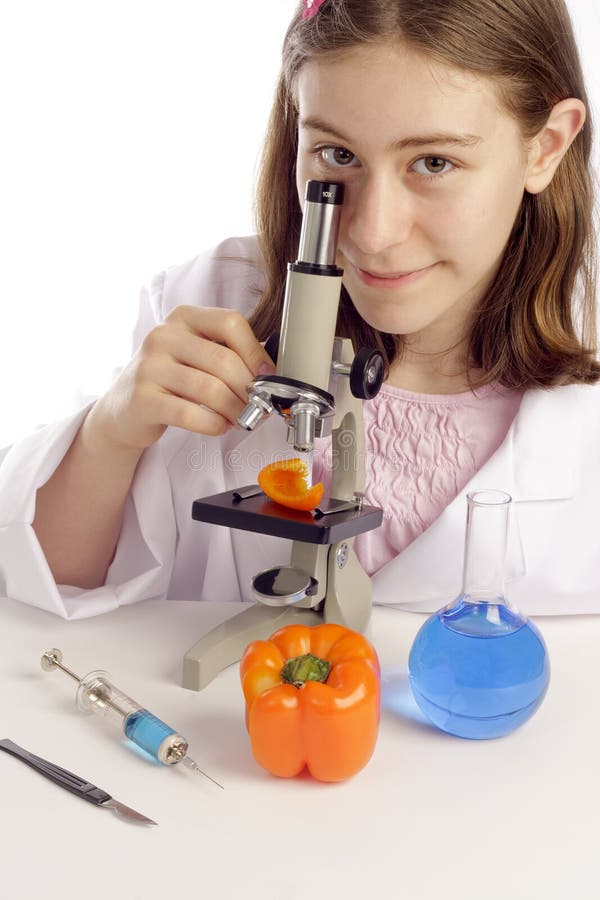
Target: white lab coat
x: 549, y: 463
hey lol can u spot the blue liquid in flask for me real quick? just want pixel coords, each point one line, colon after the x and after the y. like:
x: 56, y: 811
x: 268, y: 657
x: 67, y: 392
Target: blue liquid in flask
x: 478, y: 670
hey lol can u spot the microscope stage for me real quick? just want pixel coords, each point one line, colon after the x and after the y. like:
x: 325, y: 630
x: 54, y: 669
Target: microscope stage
x: 263, y: 516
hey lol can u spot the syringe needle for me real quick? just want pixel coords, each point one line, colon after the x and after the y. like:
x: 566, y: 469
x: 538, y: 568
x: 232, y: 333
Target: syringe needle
x: 187, y: 761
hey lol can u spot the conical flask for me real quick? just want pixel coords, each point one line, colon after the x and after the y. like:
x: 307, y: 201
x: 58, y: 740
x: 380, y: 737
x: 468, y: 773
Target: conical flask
x: 477, y: 667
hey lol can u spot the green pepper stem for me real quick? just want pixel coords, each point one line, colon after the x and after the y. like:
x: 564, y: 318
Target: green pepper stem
x: 305, y: 668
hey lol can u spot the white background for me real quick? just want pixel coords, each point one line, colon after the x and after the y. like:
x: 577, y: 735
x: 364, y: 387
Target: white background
x: 130, y: 131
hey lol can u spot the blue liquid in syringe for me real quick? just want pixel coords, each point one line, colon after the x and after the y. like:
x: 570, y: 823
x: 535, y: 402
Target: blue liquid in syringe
x: 146, y: 731
x: 478, y: 672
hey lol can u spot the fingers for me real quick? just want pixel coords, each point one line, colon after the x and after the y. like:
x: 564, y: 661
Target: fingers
x: 211, y: 359
x: 205, y: 358
x: 200, y: 387
x: 191, y: 416
x: 225, y: 327
x: 216, y: 341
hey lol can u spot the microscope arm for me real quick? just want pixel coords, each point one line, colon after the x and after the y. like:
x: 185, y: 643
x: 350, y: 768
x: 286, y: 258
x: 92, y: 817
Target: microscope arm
x: 347, y: 437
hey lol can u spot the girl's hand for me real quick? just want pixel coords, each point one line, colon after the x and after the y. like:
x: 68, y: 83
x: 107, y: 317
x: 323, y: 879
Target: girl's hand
x: 191, y: 371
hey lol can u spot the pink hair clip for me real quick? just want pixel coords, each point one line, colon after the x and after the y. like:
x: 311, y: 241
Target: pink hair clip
x: 311, y: 8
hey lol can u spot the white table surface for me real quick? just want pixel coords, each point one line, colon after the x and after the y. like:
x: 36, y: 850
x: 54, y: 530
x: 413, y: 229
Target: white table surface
x: 431, y: 816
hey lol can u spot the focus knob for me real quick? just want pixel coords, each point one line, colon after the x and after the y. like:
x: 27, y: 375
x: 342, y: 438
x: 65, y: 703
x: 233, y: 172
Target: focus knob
x: 367, y: 373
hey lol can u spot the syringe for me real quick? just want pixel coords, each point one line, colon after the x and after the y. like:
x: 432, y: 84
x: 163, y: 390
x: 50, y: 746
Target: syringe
x: 96, y: 693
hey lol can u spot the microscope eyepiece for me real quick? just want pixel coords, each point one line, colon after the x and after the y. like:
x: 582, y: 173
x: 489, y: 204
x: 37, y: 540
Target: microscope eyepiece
x: 320, y: 223
x: 324, y: 192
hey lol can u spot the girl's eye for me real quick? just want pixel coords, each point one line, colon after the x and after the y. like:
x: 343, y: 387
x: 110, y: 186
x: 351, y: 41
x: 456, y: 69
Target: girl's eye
x: 338, y: 156
x: 432, y: 165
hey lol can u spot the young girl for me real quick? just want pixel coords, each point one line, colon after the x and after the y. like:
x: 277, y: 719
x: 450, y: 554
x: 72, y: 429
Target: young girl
x: 460, y: 132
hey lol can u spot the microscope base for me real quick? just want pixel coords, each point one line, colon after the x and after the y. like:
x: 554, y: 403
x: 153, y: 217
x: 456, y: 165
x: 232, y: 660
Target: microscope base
x: 225, y: 644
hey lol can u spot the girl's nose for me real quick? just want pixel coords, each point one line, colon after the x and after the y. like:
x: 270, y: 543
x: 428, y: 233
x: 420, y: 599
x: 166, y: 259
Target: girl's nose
x: 378, y: 214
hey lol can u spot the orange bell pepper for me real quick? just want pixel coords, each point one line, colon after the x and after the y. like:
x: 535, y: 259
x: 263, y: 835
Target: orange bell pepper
x: 312, y: 700
x: 284, y: 482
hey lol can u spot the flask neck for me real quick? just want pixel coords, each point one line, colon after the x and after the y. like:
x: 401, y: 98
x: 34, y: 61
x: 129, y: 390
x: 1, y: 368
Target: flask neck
x: 485, y: 546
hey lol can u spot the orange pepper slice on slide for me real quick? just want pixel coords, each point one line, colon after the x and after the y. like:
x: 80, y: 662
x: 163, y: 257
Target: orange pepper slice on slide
x: 284, y: 482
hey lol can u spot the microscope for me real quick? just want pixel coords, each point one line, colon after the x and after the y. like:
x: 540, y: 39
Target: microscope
x: 323, y: 580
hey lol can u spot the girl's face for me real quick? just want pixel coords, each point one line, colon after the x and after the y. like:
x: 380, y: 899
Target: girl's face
x: 434, y: 173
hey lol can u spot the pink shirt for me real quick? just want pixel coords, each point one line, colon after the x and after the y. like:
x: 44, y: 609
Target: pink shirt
x: 421, y: 450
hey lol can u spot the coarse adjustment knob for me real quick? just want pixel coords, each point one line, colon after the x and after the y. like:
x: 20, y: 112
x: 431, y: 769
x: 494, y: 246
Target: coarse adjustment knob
x: 367, y: 373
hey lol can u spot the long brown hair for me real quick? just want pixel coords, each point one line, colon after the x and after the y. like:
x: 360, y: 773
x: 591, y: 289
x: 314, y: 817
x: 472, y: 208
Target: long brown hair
x: 536, y: 326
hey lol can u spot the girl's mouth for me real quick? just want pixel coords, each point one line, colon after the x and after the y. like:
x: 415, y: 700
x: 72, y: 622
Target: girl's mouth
x: 391, y: 279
